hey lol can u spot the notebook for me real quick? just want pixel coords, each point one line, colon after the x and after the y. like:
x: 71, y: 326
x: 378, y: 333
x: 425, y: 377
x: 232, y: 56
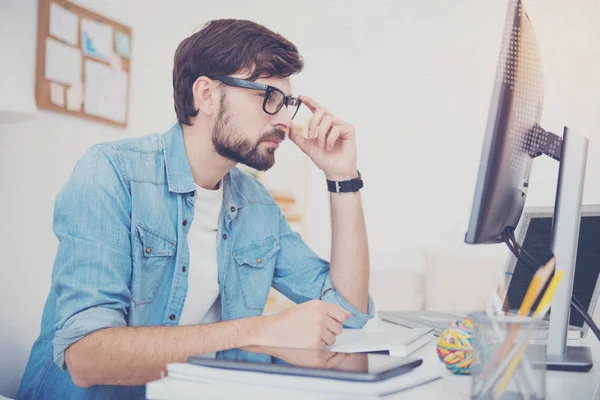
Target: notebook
x: 400, y: 342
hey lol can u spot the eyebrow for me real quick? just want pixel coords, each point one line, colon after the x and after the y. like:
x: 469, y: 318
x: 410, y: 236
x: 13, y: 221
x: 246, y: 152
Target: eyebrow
x: 284, y: 92
x: 245, y: 83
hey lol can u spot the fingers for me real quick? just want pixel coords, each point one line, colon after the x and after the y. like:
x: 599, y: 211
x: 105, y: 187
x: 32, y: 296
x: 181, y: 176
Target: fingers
x: 310, y: 103
x: 328, y: 337
x: 322, y: 125
x: 334, y: 326
x: 300, y: 141
x: 324, y: 129
x: 315, y: 121
x: 337, y: 313
x: 335, y: 133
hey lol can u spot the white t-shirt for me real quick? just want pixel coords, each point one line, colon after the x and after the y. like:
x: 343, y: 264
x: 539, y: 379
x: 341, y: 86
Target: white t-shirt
x: 202, y: 303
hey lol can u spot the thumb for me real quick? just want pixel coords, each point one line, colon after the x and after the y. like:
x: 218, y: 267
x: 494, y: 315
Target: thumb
x: 296, y: 137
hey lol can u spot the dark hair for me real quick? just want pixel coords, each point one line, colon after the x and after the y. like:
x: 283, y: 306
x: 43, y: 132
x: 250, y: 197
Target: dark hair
x: 225, y: 47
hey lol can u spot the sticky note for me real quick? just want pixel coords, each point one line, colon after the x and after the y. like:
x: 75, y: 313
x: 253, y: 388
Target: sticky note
x: 57, y: 94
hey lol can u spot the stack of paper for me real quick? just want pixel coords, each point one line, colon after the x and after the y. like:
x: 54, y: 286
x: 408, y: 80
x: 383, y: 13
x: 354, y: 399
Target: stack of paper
x: 187, y: 381
x: 399, y: 342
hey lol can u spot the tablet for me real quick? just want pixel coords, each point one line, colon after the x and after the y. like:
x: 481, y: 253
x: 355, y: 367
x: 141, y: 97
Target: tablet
x: 313, y: 363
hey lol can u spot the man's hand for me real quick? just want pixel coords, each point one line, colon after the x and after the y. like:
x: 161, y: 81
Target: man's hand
x: 311, y: 325
x: 331, y: 142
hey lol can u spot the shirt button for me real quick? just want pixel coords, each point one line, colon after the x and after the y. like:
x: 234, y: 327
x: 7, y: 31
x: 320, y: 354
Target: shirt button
x: 172, y: 317
x: 148, y: 250
x: 259, y: 260
x: 193, y: 194
x: 232, y: 209
x: 224, y: 236
x: 184, y: 222
x: 183, y: 268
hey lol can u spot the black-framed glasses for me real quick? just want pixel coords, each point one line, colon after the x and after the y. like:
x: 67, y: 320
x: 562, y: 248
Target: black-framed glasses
x: 274, y: 98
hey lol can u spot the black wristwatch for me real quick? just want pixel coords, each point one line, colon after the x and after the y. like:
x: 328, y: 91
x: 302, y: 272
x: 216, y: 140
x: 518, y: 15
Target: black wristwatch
x: 353, y: 185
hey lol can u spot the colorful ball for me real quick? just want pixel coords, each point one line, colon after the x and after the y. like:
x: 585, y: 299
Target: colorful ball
x: 454, y: 346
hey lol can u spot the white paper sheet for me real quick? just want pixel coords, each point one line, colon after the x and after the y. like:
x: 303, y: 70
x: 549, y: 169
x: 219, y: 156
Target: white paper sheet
x: 361, y: 340
x: 96, y: 39
x: 74, y: 97
x: 248, y: 381
x: 105, y: 92
x: 63, y: 62
x: 63, y: 24
x: 57, y: 94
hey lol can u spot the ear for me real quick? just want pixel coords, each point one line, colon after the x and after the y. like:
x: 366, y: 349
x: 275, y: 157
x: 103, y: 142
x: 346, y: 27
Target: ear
x: 205, y: 96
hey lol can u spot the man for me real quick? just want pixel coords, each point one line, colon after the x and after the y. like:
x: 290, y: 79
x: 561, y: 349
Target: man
x: 168, y: 250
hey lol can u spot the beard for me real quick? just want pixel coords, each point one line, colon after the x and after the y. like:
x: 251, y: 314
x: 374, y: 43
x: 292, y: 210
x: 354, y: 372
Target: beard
x: 231, y: 144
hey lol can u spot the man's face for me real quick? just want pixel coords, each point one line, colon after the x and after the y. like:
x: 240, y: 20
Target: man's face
x: 243, y: 132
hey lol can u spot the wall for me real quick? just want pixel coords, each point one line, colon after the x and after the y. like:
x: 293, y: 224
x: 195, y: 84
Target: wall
x: 418, y: 78
x: 415, y: 78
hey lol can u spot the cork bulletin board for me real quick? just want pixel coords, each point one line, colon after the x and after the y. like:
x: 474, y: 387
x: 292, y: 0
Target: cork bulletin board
x: 83, y: 63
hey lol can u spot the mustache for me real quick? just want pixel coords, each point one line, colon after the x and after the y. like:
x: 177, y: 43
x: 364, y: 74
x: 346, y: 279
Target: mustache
x: 276, y: 133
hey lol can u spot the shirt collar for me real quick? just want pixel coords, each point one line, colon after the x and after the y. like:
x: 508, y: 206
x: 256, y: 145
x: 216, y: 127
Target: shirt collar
x: 179, y: 172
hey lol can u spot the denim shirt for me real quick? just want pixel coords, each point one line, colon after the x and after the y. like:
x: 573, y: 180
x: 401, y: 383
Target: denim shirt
x: 122, y: 221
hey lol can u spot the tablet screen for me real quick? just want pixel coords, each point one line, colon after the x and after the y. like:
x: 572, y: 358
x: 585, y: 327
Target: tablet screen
x: 316, y: 363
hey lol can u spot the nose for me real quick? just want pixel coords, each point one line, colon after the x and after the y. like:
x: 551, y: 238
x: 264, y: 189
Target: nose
x: 282, y: 118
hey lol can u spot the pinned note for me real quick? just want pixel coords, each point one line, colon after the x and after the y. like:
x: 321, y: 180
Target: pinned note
x: 74, y: 97
x: 57, y: 94
x: 96, y: 39
x: 64, y: 25
x: 105, y: 91
x: 63, y: 62
x: 122, y: 44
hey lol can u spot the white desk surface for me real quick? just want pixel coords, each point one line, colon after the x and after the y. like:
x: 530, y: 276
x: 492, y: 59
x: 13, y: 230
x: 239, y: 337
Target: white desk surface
x: 559, y: 385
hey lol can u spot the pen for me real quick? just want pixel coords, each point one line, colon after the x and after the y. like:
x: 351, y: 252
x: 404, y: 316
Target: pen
x: 540, y: 312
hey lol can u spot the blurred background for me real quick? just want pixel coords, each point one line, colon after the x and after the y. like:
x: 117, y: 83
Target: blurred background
x: 414, y: 77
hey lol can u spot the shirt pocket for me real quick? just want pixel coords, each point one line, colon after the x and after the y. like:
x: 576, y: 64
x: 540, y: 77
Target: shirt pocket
x: 153, y: 252
x: 255, y: 266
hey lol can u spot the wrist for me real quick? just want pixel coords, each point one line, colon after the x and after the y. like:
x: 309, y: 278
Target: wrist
x: 347, y: 183
x: 257, y: 335
x: 342, y: 176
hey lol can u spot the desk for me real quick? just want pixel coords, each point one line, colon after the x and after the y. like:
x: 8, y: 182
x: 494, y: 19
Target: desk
x: 559, y: 385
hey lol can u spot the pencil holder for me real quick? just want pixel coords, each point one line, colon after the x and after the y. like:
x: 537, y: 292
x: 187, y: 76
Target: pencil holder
x: 502, y: 354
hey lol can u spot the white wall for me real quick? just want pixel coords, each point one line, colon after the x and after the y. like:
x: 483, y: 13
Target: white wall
x: 414, y: 77
x: 421, y: 132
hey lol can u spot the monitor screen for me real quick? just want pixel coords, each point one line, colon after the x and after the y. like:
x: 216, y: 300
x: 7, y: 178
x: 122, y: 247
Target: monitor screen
x: 512, y: 134
x: 587, y: 267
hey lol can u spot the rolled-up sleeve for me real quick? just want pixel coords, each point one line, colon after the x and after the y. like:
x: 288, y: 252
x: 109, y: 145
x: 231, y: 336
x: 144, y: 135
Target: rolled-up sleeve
x: 92, y: 269
x: 357, y: 319
x: 302, y: 276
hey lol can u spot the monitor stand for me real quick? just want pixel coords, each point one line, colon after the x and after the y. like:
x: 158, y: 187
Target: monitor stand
x: 571, y: 152
x: 574, y: 359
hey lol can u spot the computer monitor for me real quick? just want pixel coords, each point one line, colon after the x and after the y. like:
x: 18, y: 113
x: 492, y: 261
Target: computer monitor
x: 509, y: 143
x: 534, y: 233
x: 513, y: 138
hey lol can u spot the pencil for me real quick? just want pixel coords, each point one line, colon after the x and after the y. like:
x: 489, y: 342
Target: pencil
x: 533, y: 291
x: 547, y: 298
x: 535, y: 287
x: 540, y: 312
